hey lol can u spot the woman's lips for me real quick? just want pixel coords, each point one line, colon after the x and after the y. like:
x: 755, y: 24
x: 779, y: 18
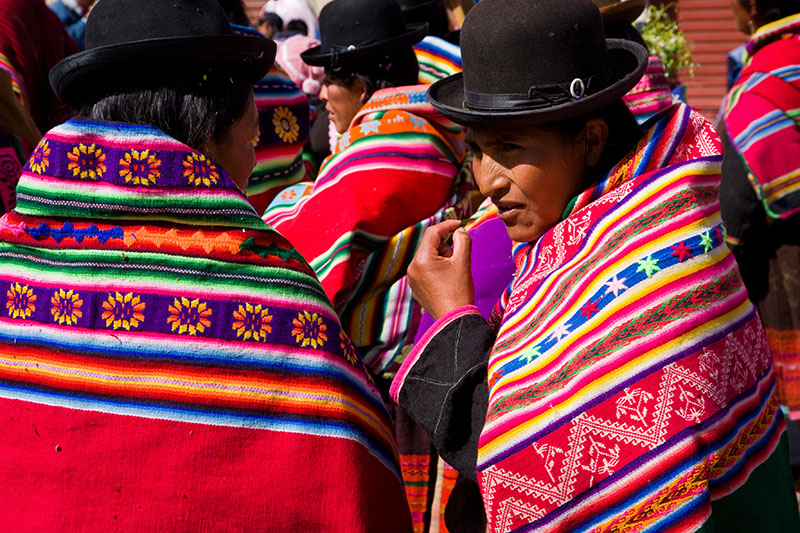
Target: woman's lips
x: 506, y: 211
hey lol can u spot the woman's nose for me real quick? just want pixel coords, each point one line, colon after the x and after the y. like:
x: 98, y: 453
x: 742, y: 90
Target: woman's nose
x: 323, y: 93
x: 490, y: 176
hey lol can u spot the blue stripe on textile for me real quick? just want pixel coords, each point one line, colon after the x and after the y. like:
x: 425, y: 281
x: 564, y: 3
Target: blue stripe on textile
x: 316, y: 426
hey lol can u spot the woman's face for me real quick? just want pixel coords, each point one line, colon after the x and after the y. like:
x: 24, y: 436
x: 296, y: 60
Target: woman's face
x: 342, y: 102
x: 236, y: 152
x: 742, y: 15
x: 530, y: 174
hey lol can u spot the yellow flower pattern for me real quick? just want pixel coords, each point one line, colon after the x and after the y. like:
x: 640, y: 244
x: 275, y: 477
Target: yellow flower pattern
x: 21, y: 301
x: 66, y: 307
x: 87, y: 161
x: 140, y: 167
x: 347, y: 347
x: 252, y: 322
x: 123, y: 311
x: 189, y: 316
x: 309, y: 330
x: 199, y: 170
x: 40, y: 158
x: 285, y: 123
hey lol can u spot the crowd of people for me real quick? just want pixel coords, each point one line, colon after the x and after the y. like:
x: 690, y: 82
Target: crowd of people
x: 393, y: 265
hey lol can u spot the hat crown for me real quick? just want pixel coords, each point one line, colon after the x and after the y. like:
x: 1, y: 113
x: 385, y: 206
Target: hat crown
x: 344, y: 23
x: 511, y: 46
x: 114, y: 22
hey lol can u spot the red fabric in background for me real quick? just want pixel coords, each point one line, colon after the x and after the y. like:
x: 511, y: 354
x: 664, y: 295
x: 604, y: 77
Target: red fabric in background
x: 52, y: 452
x: 34, y: 39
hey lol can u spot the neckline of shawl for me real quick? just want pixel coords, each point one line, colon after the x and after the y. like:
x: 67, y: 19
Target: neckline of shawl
x: 635, y: 163
x: 94, y: 169
x: 771, y: 32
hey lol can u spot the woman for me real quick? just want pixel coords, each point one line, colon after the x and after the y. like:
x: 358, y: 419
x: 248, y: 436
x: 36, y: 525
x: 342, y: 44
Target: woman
x: 629, y: 385
x: 169, y: 362
x: 396, y: 169
x: 759, y: 198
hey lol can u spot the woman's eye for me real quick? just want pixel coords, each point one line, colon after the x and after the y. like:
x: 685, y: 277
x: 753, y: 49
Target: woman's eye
x: 474, y: 149
x: 510, y: 147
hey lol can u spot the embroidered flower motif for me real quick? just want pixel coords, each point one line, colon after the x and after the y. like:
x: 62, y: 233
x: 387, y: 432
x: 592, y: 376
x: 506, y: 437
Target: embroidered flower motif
x: 199, y: 170
x: 347, y: 347
x: 252, y: 321
x: 344, y: 142
x: 189, y: 316
x: 288, y: 194
x: 140, y: 167
x: 123, y: 311
x: 66, y: 307
x: 285, y: 124
x: 309, y: 329
x: 20, y: 302
x: 87, y: 161
x: 370, y: 126
x: 40, y: 158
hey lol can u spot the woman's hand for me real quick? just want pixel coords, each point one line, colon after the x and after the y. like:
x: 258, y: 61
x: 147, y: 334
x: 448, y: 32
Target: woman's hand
x: 441, y: 277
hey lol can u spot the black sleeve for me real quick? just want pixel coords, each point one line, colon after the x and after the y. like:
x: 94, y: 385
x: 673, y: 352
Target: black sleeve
x: 745, y: 220
x: 446, y: 391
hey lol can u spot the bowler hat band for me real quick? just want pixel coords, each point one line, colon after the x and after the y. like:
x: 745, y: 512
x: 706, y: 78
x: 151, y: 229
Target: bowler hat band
x: 541, y: 95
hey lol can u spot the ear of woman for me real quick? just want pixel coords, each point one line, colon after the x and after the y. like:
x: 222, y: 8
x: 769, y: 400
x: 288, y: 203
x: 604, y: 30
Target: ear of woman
x: 595, y: 137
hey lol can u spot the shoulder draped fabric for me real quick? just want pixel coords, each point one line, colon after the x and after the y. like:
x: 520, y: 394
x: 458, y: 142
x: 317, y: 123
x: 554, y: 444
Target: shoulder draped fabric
x: 630, y: 384
x: 284, y: 117
x: 761, y: 190
x: 763, y: 110
x: 167, y: 361
x: 399, y: 169
x: 437, y: 59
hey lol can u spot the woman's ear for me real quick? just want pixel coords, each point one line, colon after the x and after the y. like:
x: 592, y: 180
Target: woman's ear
x: 596, y: 136
x: 362, y: 91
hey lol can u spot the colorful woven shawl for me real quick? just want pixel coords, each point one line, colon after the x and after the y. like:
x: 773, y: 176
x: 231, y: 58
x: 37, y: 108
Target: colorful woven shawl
x: 630, y: 383
x: 169, y: 362
x: 437, y: 59
x: 763, y: 111
x: 397, y: 170
x: 651, y: 94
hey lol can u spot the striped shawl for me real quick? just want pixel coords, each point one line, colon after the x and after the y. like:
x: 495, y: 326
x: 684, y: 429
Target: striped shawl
x: 630, y: 382
x: 762, y: 111
x: 168, y: 362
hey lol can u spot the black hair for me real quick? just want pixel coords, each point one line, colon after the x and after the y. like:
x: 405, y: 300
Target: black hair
x: 273, y: 19
x: 297, y: 25
x: 623, y: 134
x: 771, y: 10
x: 190, y: 114
x: 394, y: 69
x: 234, y: 10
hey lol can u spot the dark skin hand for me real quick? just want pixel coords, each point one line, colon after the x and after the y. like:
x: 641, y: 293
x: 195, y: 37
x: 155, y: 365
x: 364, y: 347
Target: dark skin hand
x: 441, y: 277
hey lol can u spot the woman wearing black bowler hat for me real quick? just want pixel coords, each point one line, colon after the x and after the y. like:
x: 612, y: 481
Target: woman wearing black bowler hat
x: 625, y: 382
x: 398, y: 167
x: 168, y: 362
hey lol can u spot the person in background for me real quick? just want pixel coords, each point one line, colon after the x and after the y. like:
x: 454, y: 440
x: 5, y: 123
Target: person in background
x: 32, y: 40
x: 626, y: 348
x: 168, y: 361
x: 438, y: 53
x: 760, y: 195
x: 72, y: 14
x: 290, y: 10
x: 269, y: 24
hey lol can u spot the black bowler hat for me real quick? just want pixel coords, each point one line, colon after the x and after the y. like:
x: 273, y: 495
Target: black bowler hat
x: 534, y: 62
x: 353, y: 31
x: 130, y: 43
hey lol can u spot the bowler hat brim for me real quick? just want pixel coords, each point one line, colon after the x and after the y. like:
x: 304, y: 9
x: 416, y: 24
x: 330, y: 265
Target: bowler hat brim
x: 349, y: 55
x: 96, y: 71
x: 628, y: 59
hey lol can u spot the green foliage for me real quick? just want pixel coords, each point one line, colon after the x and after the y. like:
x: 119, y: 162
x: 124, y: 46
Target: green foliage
x: 665, y: 39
